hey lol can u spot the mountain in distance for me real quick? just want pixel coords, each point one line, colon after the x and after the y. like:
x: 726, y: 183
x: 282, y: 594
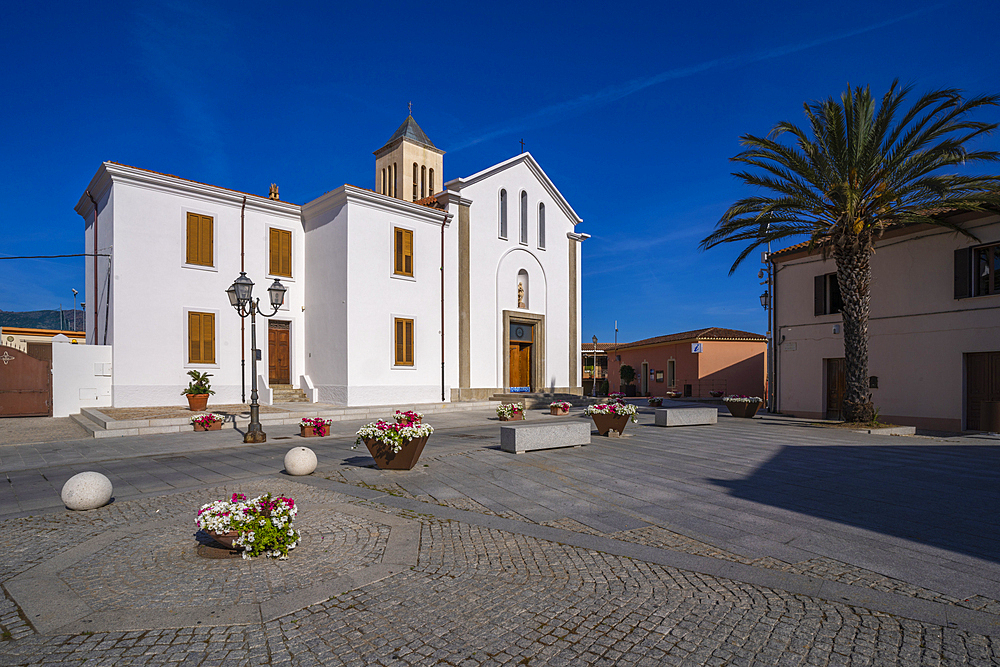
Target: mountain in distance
x: 43, y: 319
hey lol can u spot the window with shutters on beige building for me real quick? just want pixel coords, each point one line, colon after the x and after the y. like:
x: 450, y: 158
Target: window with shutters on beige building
x: 280, y: 252
x: 200, y: 240
x: 201, y: 337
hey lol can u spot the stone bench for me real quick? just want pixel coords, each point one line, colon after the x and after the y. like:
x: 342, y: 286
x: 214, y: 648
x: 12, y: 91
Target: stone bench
x: 549, y: 434
x: 686, y: 416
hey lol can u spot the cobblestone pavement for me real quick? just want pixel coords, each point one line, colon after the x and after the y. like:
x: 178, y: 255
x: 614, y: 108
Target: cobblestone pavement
x: 476, y: 596
x: 40, y: 429
x: 554, y: 558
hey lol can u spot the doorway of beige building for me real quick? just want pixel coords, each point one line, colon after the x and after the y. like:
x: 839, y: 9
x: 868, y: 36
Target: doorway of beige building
x: 277, y: 353
x: 982, y: 390
x: 836, y: 386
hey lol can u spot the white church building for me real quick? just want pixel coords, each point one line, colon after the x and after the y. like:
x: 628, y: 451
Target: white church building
x: 418, y: 291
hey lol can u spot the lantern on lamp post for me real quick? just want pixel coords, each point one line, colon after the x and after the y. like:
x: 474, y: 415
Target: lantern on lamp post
x: 241, y: 298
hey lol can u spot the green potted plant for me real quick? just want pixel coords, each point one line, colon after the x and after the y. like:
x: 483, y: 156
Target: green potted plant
x: 198, y: 390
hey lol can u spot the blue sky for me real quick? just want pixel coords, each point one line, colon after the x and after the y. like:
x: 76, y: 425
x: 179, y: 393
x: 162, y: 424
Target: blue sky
x: 632, y: 110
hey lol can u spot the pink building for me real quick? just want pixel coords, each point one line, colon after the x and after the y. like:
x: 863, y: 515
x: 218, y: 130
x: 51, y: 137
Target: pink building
x: 933, y: 332
x: 695, y: 363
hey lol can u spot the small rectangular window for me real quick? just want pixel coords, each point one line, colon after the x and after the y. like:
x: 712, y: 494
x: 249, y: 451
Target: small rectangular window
x: 541, y: 226
x: 201, y: 338
x: 403, y: 242
x: 200, y: 241
x: 826, y: 295
x: 986, y: 264
x: 281, y: 253
x: 659, y: 376
x: 404, y: 341
x: 524, y: 217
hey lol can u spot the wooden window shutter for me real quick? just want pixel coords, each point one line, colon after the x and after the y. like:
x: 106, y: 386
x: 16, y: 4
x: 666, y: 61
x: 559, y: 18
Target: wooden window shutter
x: 206, y: 241
x: 399, y: 251
x: 409, y: 341
x: 194, y: 338
x: 286, y: 253
x: 963, y: 273
x: 193, y: 228
x: 208, y: 338
x: 400, y: 353
x: 408, y: 252
x: 819, y: 295
x: 274, y: 246
x: 199, y: 240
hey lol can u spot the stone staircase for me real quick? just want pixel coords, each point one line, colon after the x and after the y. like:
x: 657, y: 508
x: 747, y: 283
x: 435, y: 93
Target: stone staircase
x: 538, y: 400
x: 286, y: 393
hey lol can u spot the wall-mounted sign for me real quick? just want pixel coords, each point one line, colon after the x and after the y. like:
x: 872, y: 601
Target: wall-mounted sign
x: 520, y: 390
x: 695, y: 348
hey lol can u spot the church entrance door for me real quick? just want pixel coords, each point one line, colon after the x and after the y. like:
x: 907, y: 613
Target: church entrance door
x: 277, y: 353
x: 520, y: 366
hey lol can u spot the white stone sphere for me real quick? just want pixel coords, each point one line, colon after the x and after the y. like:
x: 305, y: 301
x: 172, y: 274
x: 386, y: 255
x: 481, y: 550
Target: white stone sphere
x: 300, y: 461
x: 86, y: 491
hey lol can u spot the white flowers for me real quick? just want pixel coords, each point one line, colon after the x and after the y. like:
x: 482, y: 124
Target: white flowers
x: 742, y: 399
x: 263, y: 524
x: 510, y: 410
x: 615, y: 409
x: 393, y: 435
x: 562, y: 405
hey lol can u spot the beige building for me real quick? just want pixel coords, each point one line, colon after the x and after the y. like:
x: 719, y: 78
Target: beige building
x: 409, y: 167
x: 934, y: 332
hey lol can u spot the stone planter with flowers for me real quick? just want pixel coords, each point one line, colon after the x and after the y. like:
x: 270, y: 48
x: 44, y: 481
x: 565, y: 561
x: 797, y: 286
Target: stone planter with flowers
x: 743, y: 406
x: 395, y: 446
x: 510, y: 412
x: 655, y: 401
x: 610, y: 417
x: 314, y: 427
x: 209, y: 422
x: 261, y: 526
x: 559, y: 407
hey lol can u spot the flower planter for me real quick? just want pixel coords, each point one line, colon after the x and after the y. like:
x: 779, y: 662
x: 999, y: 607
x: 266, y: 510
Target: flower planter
x: 314, y: 431
x: 214, y: 426
x: 656, y: 402
x: 606, y: 423
x: 558, y: 411
x: 515, y: 418
x: 197, y: 402
x: 404, y: 459
x: 743, y: 409
x: 225, y: 539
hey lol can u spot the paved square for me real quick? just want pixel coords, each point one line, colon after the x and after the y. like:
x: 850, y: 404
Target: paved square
x: 761, y: 541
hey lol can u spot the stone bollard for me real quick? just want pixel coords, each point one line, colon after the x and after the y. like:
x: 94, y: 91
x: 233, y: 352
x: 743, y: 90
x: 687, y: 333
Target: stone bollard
x: 300, y: 461
x: 86, y: 491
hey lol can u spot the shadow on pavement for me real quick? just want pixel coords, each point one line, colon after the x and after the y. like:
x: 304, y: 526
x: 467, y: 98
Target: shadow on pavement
x: 943, y: 496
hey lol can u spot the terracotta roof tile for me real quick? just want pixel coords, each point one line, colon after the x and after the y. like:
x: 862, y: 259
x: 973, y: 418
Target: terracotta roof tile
x: 711, y: 333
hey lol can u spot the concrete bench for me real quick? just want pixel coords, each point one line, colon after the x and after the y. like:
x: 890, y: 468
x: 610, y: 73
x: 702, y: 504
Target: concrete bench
x: 686, y: 416
x: 551, y: 434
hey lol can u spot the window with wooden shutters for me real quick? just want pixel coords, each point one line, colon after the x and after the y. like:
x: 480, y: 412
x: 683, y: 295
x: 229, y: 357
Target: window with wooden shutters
x: 281, y: 253
x: 200, y: 240
x: 403, y: 247
x: 404, y: 341
x: 826, y: 295
x: 201, y: 338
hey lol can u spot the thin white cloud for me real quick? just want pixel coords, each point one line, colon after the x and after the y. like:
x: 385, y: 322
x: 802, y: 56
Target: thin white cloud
x: 551, y: 114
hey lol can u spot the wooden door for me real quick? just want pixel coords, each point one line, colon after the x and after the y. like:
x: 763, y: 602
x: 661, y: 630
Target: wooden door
x: 520, y: 365
x: 836, y: 386
x: 25, y: 385
x: 277, y: 353
x: 982, y: 383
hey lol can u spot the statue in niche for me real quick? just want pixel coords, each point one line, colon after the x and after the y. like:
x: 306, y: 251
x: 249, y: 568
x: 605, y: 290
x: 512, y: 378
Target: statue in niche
x: 520, y: 296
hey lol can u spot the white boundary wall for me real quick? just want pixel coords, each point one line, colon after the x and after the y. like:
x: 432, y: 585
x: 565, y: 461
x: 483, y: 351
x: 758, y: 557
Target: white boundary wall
x: 81, y: 377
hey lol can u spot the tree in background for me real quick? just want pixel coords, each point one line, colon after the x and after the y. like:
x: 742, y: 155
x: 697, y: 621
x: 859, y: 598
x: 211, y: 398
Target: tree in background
x: 860, y: 168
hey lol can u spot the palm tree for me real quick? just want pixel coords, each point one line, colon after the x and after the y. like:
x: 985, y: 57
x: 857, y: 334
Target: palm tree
x: 862, y: 168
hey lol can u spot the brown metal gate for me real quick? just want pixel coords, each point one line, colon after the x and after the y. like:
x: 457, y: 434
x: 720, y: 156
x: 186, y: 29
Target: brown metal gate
x: 982, y: 390
x: 25, y: 385
x: 836, y: 387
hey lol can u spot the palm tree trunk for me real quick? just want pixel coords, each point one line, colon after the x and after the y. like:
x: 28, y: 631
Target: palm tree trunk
x: 854, y: 277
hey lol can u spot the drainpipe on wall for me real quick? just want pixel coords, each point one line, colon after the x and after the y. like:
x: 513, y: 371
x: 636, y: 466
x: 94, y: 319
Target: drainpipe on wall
x: 443, y: 221
x: 243, y: 336
x: 96, y: 286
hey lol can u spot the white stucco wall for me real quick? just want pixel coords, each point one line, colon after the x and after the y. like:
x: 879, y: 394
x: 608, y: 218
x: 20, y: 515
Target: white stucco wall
x: 919, y: 332
x: 81, y: 377
x: 153, y: 289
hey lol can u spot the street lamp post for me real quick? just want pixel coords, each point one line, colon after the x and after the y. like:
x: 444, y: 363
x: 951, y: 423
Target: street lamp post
x: 74, y: 308
x: 241, y: 297
x: 595, y: 365
x: 766, y: 276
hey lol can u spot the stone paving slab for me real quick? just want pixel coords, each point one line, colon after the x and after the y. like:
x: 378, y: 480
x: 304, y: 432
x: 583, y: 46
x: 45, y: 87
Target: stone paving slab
x: 679, y: 559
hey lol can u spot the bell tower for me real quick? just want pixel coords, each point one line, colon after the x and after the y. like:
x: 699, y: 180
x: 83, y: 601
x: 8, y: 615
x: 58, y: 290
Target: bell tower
x: 409, y: 166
